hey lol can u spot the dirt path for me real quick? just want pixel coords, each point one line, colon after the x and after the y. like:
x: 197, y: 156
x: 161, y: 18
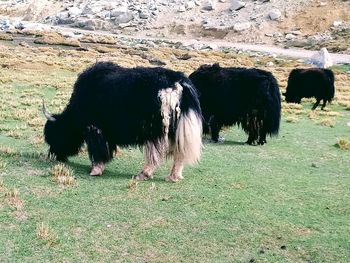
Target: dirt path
x: 291, y: 52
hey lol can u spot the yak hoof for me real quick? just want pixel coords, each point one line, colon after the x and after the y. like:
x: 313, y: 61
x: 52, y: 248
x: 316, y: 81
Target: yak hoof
x: 97, y: 169
x: 142, y: 177
x: 174, y: 179
x: 218, y: 140
x: 252, y: 143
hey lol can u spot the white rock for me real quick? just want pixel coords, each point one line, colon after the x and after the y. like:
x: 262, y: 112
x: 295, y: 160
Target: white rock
x: 74, y: 11
x: 270, y: 64
x: 190, y: 5
x: 337, y: 23
x: 236, y: 5
x: 182, y: 8
x: 274, y: 14
x: 322, y: 59
x: 241, y: 26
x: 290, y: 36
x: 209, y: 5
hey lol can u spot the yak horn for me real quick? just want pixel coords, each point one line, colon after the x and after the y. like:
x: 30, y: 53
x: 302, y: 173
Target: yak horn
x: 47, y: 113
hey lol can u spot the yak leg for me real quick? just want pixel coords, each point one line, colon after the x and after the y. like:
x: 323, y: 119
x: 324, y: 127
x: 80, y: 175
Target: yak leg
x: 316, y: 104
x: 153, y: 156
x: 98, y: 149
x: 323, y: 104
x: 262, y: 134
x: 176, y: 171
x: 252, y: 130
x: 215, y: 128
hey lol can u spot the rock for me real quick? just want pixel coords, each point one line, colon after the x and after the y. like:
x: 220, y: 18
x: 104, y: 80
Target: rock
x: 236, y: 5
x: 270, y: 64
x: 322, y: 59
x: 121, y: 17
x: 337, y: 23
x: 275, y: 14
x: 209, y: 5
x: 290, y: 36
x: 241, y: 26
x: 182, y: 9
x: 74, y: 11
x: 190, y: 5
x: 142, y: 15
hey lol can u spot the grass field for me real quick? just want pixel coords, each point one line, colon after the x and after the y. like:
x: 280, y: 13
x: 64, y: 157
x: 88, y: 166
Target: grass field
x: 287, y: 201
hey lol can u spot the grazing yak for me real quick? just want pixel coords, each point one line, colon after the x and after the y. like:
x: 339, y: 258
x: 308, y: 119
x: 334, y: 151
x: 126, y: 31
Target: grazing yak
x: 246, y: 97
x: 110, y: 105
x: 312, y: 82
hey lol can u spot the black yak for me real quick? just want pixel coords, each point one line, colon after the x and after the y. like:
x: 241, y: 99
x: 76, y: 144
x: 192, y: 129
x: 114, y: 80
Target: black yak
x: 312, y: 82
x: 246, y: 97
x: 110, y: 105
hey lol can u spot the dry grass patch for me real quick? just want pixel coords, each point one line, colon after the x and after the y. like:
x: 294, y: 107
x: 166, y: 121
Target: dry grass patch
x: 44, y: 233
x: 14, y: 200
x: 327, y: 122
x: 6, y: 37
x: 63, y: 175
x: 57, y: 39
x: 343, y: 144
x: 132, y: 185
x: 7, y: 150
x: 292, y: 119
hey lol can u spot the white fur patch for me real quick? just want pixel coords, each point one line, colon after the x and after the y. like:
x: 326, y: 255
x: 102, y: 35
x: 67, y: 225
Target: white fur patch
x: 170, y: 105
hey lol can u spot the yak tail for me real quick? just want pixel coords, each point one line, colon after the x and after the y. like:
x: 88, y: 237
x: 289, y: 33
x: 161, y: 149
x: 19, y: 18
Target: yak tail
x: 188, y: 137
x: 331, y: 92
x: 273, y: 112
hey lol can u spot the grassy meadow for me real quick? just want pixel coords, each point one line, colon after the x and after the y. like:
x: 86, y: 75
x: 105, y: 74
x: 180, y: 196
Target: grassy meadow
x: 286, y: 201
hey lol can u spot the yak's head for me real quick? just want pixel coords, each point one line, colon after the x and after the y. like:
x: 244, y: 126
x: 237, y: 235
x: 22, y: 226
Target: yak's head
x: 64, y: 140
x: 291, y: 98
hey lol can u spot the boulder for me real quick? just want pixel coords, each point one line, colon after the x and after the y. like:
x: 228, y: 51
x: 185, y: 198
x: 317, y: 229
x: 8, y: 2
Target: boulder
x: 241, y: 26
x: 322, y: 59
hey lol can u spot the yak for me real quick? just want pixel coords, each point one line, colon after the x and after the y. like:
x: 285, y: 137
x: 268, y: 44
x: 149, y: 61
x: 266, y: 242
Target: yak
x: 111, y: 106
x: 238, y: 96
x: 312, y: 82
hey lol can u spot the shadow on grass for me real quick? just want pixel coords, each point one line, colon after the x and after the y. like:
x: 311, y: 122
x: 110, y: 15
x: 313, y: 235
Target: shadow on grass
x: 83, y: 171
x: 224, y: 143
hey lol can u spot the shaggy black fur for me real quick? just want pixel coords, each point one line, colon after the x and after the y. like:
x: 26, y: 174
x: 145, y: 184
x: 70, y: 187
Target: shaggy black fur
x: 112, y: 105
x: 307, y: 83
x: 246, y: 97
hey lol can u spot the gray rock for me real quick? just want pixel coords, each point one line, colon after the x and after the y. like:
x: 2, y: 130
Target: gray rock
x: 236, y: 5
x: 209, y: 5
x: 275, y: 14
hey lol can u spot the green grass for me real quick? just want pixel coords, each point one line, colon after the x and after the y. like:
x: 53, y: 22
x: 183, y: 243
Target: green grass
x: 287, y: 201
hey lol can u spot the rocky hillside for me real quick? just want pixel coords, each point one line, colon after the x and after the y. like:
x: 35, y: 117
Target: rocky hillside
x: 302, y: 23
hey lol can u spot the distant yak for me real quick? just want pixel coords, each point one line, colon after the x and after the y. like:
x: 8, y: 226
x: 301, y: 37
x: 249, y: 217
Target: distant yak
x: 152, y: 107
x: 238, y: 96
x: 312, y: 82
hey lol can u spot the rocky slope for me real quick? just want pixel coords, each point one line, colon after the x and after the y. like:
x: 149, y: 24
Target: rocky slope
x: 302, y: 23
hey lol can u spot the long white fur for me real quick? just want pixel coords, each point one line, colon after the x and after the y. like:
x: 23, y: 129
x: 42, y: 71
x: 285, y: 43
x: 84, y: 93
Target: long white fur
x: 189, y: 138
